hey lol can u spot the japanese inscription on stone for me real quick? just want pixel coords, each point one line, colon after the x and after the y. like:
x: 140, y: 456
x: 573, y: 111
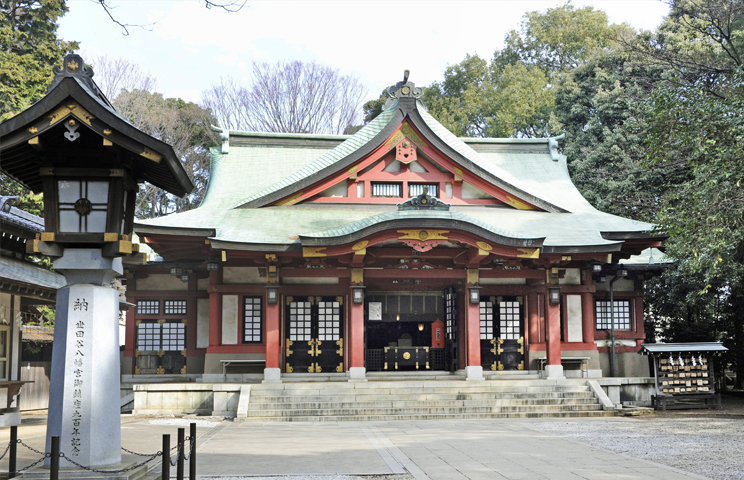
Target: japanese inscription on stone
x: 78, y: 381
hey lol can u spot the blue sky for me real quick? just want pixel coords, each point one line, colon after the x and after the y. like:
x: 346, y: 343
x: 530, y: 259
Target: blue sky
x: 189, y: 47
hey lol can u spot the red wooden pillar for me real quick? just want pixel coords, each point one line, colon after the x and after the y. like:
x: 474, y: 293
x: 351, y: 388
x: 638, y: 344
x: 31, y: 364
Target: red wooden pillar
x: 534, y: 317
x: 587, y: 311
x: 553, y: 338
x: 640, y: 327
x: 473, y: 334
x: 272, y: 335
x: 215, y: 308
x: 356, y: 345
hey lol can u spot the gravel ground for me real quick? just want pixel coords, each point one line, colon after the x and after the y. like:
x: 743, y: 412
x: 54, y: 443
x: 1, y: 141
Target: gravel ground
x: 711, y: 447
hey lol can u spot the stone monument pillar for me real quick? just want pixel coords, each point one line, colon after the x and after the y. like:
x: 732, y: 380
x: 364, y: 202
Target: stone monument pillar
x: 84, y: 396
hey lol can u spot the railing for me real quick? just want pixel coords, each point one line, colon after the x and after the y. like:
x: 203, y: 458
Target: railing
x: 167, y: 457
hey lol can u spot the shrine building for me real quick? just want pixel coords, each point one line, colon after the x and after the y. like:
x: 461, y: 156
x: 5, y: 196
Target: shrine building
x: 399, y: 248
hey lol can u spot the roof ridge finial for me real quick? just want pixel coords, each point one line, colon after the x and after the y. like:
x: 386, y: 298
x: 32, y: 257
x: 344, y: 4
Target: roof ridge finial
x: 406, y: 73
x: 403, y: 89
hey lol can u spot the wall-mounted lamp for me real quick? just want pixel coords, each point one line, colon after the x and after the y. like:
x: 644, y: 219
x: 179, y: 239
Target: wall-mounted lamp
x: 176, y: 271
x: 421, y: 327
x: 212, y: 266
x: 474, y: 293
x: 596, y: 268
x: 622, y: 273
x: 272, y: 294
x: 185, y: 277
x: 554, y: 295
x: 357, y: 294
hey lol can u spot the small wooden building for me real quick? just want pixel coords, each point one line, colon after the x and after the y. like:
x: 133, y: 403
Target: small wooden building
x: 401, y: 247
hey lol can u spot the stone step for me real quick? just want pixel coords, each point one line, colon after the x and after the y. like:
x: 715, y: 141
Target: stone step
x: 393, y: 403
x: 416, y: 397
x: 330, y: 389
x: 423, y: 409
x: 417, y: 384
x: 445, y: 416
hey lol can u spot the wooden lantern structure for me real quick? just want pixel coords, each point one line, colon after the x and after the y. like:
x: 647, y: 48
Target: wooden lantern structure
x: 88, y: 160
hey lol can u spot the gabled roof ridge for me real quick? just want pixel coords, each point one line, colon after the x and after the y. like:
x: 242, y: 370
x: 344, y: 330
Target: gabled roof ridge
x: 337, y: 153
x: 504, y: 179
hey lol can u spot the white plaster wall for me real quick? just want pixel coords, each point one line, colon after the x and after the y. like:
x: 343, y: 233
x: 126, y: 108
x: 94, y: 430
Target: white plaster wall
x: 338, y: 190
x: 621, y: 285
x: 202, y: 284
x: 202, y: 322
x: 573, y: 310
x: 571, y: 277
x: 242, y: 276
x: 162, y: 282
x: 229, y: 319
x: 15, y: 342
x: 469, y: 191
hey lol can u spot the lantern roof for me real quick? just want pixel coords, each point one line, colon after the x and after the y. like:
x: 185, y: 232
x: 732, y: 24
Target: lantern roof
x: 74, y: 120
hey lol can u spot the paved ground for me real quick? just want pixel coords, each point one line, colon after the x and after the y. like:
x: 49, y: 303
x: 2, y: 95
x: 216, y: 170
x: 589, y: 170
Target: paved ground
x: 447, y: 450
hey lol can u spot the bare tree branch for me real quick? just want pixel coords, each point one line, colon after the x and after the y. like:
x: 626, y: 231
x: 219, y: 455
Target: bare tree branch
x: 293, y: 97
x: 230, y: 6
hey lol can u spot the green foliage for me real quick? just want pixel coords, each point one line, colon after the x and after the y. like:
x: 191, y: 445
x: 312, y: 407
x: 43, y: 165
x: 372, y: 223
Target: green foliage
x: 29, y: 47
x: 558, y: 40
x: 28, y: 201
x: 183, y: 125
x: 515, y: 94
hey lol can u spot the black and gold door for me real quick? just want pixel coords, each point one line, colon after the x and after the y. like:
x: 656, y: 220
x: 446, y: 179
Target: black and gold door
x: 314, y: 335
x: 502, y: 333
x: 450, y: 329
x: 161, y: 347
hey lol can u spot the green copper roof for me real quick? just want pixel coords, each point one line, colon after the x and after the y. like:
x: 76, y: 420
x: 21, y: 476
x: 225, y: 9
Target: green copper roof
x: 272, y: 165
x: 349, y: 146
x: 398, y: 215
x: 17, y: 270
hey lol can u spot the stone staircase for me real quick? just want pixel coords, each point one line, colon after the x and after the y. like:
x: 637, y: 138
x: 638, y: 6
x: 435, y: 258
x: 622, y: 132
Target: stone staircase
x: 411, y: 399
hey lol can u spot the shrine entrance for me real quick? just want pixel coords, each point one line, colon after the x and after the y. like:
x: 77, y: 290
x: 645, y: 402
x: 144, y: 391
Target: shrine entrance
x: 502, y: 333
x: 314, y: 335
x: 404, y: 331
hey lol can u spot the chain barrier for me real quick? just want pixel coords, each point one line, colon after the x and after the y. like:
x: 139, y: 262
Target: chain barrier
x: 179, y: 452
x: 123, y: 470
x: 32, y: 448
x: 44, y: 457
x: 7, y: 449
x: 150, y: 457
x: 139, y: 454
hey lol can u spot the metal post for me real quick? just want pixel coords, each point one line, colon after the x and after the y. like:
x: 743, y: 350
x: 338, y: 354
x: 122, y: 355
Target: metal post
x: 165, y: 475
x: 180, y: 453
x: 192, y: 456
x: 13, y: 451
x: 54, y: 463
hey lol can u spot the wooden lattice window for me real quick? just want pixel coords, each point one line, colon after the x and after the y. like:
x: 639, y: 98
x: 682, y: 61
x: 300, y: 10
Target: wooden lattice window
x: 156, y: 336
x: 509, y: 320
x: 450, y: 314
x: 603, y: 317
x: 387, y: 189
x: 486, y: 320
x: 175, y: 307
x: 300, y: 321
x: 416, y: 189
x: 148, y: 307
x: 329, y: 320
x: 252, y: 319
